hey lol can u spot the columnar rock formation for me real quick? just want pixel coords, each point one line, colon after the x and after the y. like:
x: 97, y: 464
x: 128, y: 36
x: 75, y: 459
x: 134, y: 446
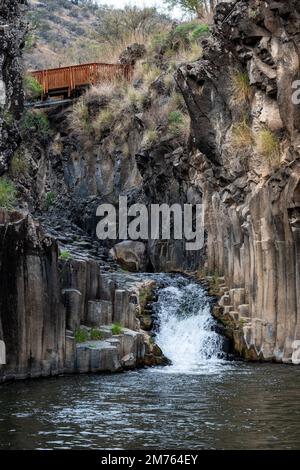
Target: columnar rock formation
x: 252, y: 202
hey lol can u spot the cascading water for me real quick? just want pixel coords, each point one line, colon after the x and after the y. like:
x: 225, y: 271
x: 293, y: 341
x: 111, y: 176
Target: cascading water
x: 186, y: 330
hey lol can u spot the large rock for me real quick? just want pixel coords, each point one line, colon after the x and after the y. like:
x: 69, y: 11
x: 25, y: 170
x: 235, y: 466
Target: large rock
x: 132, y: 54
x: 32, y: 317
x: 130, y: 255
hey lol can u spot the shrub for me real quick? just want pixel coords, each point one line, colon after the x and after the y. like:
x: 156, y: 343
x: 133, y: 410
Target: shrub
x: 138, y: 98
x: 199, y: 31
x: 50, y: 199
x: 241, y: 135
x: 146, y: 72
x: 175, y: 117
x: 65, y: 255
x: 194, y: 52
x: 81, y: 336
x: 103, y: 121
x: 19, y: 164
x: 150, y: 137
x: 7, y: 193
x: 116, y: 329
x: 267, y: 145
x: 177, y: 101
x: 96, y: 334
x: 33, y: 89
x: 35, y: 122
x: 241, y: 87
x: 79, y: 117
x: 179, y: 124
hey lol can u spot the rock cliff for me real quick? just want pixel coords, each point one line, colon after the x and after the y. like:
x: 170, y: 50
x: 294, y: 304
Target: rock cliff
x: 12, y: 33
x: 246, y: 129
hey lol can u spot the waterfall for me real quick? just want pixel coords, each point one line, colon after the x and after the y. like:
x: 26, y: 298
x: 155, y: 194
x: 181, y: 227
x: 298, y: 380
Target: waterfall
x: 186, y: 330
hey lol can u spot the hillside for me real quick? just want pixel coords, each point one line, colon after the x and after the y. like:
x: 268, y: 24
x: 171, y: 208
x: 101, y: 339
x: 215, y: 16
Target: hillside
x: 62, y: 33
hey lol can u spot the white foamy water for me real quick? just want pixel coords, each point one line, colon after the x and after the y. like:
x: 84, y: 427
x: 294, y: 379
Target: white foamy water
x: 186, y: 329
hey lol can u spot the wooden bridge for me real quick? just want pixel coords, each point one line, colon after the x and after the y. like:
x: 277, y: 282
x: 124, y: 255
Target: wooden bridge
x: 67, y: 81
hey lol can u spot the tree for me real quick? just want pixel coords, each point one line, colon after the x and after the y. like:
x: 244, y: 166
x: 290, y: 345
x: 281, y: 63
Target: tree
x: 200, y: 8
x: 117, y: 25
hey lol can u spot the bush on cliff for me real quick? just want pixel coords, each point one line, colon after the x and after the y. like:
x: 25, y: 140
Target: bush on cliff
x: 241, y: 135
x: 267, y: 145
x: 35, y: 124
x: 7, y: 193
x: 241, y: 88
x: 116, y: 329
x: 32, y: 88
x: 19, y: 164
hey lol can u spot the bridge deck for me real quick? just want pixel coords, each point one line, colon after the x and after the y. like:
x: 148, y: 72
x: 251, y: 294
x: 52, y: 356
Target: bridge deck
x: 64, y: 80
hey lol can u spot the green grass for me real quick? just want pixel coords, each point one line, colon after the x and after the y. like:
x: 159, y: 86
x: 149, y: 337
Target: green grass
x: 96, y: 334
x: 65, y: 255
x: 103, y: 122
x: 50, y: 199
x: 267, y: 145
x: 32, y: 87
x: 35, y: 123
x: 81, y: 336
x: 175, y: 117
x: 179, y: 124
x: 192, y: 30
x: 116, y: 329
x: 241, y: 88
x: 8, y: 193
x: 241, y: 135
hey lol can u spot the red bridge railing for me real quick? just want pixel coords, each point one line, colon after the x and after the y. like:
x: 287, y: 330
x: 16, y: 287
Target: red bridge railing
x: 65, y: 80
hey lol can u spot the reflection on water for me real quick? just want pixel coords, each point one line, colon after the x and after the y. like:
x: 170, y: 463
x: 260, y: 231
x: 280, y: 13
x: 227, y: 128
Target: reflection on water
x: 199, y: 402
x: 231, y: 406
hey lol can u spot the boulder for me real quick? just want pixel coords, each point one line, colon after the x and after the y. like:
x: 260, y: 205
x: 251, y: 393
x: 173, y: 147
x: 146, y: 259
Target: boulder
x: 132, y: 54
x: 130, y: 255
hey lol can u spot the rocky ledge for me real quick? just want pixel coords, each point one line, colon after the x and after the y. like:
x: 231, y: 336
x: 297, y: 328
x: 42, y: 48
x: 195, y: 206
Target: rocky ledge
x: 65, y: 316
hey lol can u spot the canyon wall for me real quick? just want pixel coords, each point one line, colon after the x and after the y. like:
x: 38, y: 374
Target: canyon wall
x: 251, y: 197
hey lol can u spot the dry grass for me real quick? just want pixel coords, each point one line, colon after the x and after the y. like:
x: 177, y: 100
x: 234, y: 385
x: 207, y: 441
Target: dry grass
x: 19, y: 165
x: 177, y: 101
x: 137, y: 97
x: 241, y: 88
x: 241, y: 136
x: 105, y: 89
x: 79, y: 117
x: 150, y: 138
x: 179, y: 125
x: 268, y: 146
x: 103, y: 122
